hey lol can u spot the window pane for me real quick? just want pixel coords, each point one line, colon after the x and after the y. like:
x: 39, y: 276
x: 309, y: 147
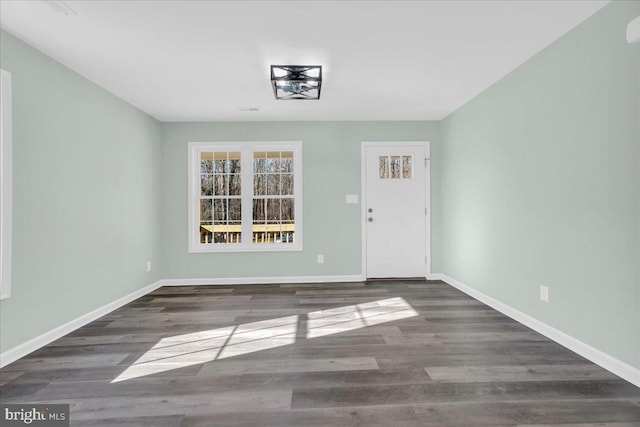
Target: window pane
x: 259, y: 233
x: 220, y: 233
x: 274, y: 237
x: 288, y: 211
x: 273, y: 184
x: 206, y: 234
x: 235, y: 232
x: 206, y: 185
x: 259, y: 160
x: 273, y: 210
x: 287, y: 183
x: 383, y: 167
x: 220, y: 159
x: 286, y: 162
x: 395, y: 166
x: 206, y: 163
x: 273, y: 161
x: 234, y: 185
x: 288, y: 236
x: 233, y: 165
x: 259, y: 210
x: 220, y: 185
x: 407, y: 169
x: 220, y: 211
x: 205, y: 211
x: 259, y: 185
x: 235, y: 210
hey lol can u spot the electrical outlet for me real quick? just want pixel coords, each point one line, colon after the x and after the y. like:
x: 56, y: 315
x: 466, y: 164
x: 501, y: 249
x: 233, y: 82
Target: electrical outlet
x: 148, y: 265
x: 544, y: 293
x: 320, y: 259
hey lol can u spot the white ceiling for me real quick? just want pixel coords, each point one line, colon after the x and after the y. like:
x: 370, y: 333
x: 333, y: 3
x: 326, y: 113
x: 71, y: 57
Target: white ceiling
x: 383, y: 60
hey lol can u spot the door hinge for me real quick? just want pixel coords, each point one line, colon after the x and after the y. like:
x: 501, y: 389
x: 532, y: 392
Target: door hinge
x: 426, y: 260
x: 426, y: 159
x: 425, y: 211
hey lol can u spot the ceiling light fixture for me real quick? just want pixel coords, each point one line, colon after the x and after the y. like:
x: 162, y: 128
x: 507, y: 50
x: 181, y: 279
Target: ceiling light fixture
x: 296, y: 81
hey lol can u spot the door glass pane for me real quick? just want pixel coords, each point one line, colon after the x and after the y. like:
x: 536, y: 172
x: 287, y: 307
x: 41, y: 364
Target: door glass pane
x: 395, y: 167
x: 383, y: 167
x: 407, y: 170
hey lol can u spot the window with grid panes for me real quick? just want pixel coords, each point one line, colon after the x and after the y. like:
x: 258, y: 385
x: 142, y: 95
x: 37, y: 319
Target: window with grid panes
x: 245, y: 197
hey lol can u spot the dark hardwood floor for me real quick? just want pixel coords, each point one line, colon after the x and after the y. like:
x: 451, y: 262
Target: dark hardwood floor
x: 391, y: 353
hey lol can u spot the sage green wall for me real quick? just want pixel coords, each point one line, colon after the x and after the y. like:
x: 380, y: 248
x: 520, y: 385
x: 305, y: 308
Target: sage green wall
x: 85, y: 201
x: 331, y: 169
x: 541, y: 185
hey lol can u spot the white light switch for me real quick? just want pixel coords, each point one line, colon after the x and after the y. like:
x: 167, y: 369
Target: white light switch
x: 352, y: 199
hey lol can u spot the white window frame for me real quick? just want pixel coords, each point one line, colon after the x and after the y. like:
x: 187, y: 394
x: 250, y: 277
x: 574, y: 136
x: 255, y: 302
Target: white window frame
x: 246, y: 149
x: 5, y: 184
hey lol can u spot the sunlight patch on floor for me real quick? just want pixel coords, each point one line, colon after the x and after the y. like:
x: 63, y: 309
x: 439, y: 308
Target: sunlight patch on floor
x: 343, y: 319
x: 200, y: 347
x: 215, y: 344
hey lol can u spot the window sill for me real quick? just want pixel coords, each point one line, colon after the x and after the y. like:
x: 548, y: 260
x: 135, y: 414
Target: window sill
x: 238, y: 249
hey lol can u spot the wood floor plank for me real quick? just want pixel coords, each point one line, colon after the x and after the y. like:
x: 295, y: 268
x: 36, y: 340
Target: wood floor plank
x: 367, y: 416
x: 162, y: 421
x: 289, y: 365
x: 518, y: 373
x: 469, y: 392
x: 521, y: 413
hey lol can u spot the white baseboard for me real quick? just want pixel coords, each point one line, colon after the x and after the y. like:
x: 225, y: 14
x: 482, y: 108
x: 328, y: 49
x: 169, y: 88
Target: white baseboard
x: 32, y: 345
x: 262, y: 280
x: 598, y: 357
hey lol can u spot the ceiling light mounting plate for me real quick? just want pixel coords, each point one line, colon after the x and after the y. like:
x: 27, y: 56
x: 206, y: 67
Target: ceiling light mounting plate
x: 296, y: 81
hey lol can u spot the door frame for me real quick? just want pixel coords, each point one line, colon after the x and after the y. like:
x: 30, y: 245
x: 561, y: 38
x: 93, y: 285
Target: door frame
x: 363, y: 197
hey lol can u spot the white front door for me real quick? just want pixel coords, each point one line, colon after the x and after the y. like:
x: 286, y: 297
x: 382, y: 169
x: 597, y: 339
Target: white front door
x: 396, y: 209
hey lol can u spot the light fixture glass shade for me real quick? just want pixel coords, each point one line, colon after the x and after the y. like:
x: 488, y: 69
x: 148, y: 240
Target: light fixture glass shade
x: 296, y: 81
